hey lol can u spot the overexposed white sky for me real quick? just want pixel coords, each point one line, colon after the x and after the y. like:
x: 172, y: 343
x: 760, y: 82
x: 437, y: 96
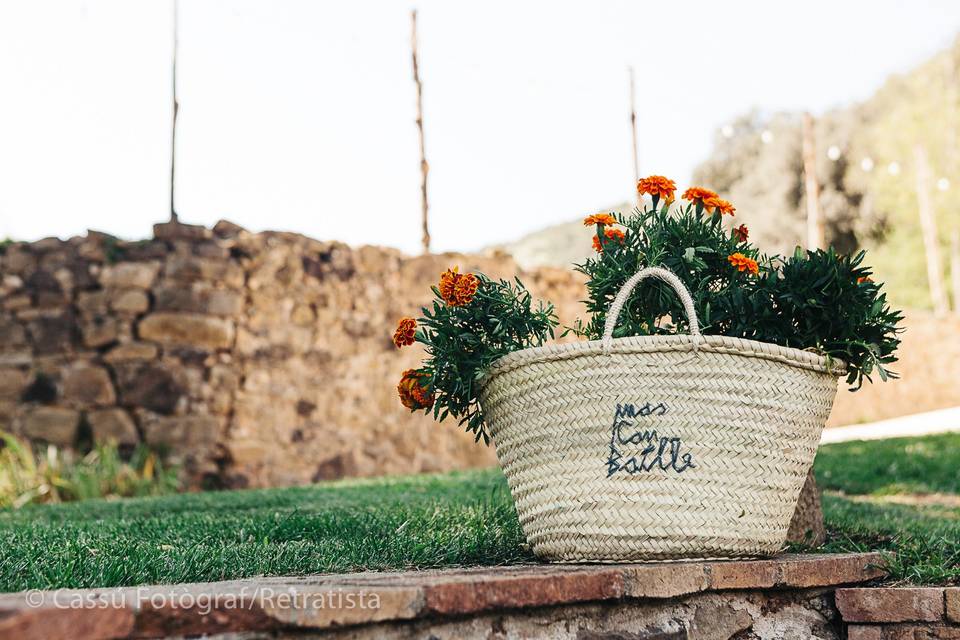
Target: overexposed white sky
x: 298, y: 114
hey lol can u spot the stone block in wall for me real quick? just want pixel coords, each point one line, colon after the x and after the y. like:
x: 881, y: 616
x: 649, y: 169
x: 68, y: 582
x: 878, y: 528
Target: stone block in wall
x: 267, y: 310
x: 52, y: 332
x: 205, y: 249
x: 65, y: 278
x: 50, y: 243
x: 9, y: 414
x: 18, y: 260
x: 43, y: 281
x: 952, y: 596
x: 15, y: 358
x: 13, y: 382
x: 143, y: 250
x: 336, y: 261
x: 340, y: 465
x: 303, y: 315
x: 99, y: 331
x: 129, y: 301
x: 129, y: 275
x: 17, y: 302
x: 9, y: 284
x: 175, y: 230
x: 188, y: 439
x: 225, y: 229
x: 113, y: 425
x: 93, y: 303
x: 222, y: 383
x: 224, y: 302
x: 193, y: 269
x: 13, y: 334
x: 131, y: 351
x: 50, y: 300
x: 198, y: 297
x: 87, y: 386
x: 92, y: 248
x: 187, y: 329
x: 893, y: 604
x: 154, y: 386
x: 56, y: 425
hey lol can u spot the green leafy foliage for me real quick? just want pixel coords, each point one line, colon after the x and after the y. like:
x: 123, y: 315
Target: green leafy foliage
x: 816, y: 300
x: 54, y: 475
x: 463, y: 341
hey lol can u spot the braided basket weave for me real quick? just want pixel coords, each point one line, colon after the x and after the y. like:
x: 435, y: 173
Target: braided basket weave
x: 657, y: 447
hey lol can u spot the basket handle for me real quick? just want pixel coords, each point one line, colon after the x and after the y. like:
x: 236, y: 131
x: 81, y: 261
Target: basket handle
x: 613, y: 313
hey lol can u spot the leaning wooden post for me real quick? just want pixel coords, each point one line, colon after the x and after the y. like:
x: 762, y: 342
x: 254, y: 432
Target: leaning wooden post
x: 928, y: 228
x: 424, y: 167
x: 816, y: 235
x: 807, y: 527
x: 633, y: 131
x: 176, y: 109
x: 955, y: 271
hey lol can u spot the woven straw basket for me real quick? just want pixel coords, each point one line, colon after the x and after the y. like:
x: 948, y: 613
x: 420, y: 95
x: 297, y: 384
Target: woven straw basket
x: 657, y: 447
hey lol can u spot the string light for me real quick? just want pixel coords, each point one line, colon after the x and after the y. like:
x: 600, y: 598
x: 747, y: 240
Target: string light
x: 834, y: 152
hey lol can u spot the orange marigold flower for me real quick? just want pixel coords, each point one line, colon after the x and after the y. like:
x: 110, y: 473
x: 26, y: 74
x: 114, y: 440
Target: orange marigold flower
x: 448, y: 282
x: 698, y: 195
x: 464, y: 290
x: 457, y: 289
x: 406, y: 332
x: 863, y: 279
x: 614, y: 234
x: 721, y: 205
x: 414, y: 390
x: 743, y: 263
x: 657, y: 187
x: 599, y: 218
x: 741, y: 233
x: 611, y: 234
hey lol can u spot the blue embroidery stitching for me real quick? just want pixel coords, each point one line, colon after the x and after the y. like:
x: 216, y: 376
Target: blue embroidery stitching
x: 666, y: 451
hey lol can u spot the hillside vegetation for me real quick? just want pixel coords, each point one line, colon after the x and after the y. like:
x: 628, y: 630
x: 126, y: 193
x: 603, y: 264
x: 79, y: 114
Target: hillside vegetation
x: 866, y: 168
x: 867, y: 182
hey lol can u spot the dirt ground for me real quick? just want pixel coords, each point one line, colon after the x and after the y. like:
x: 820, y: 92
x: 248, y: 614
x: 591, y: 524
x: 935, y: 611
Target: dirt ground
x: 929, y: 367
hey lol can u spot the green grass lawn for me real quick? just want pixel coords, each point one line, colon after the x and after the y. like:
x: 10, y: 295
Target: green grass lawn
x: 861, y: 481
x: 429, y: 521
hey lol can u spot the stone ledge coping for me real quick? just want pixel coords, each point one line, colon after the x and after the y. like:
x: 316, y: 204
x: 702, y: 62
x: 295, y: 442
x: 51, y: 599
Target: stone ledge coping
x: 329, y: 601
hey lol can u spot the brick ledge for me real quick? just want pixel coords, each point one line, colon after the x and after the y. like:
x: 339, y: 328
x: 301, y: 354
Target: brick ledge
x: 324, y: 601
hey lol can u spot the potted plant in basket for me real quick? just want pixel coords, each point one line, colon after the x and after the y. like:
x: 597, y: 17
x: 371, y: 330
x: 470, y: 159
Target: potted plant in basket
x: 684, y: 422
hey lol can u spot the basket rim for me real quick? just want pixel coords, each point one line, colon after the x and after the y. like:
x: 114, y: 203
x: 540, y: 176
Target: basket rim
x: 670, y: 343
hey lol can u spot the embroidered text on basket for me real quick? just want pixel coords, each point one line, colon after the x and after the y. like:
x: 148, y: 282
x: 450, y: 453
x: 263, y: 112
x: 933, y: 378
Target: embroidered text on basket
x: 660, y: 452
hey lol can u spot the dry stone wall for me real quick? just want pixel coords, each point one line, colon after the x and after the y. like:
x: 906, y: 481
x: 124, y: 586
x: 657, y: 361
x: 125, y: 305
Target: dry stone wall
x: 253, y: 359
